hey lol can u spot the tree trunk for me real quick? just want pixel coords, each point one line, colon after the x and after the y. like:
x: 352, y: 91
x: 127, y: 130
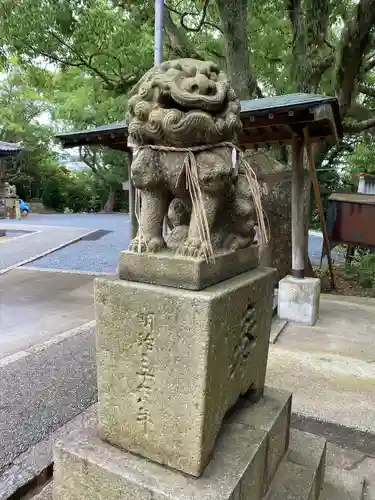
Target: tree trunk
x: 110, y: 203
x: 355, y: 41
x: 233, y: 17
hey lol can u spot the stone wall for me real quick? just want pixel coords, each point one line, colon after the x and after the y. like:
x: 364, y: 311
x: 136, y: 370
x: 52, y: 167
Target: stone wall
x: 275, y: 180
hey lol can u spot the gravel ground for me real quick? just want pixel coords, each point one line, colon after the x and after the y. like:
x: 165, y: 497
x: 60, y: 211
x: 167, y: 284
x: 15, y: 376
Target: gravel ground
x: 102, y: 255
x: 91, y: 256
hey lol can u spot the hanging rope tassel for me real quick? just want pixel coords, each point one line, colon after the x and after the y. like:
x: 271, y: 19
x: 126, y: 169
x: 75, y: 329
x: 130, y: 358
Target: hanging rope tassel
x: 137, y: 213
x: 262, y: 220
x: 192, y: 184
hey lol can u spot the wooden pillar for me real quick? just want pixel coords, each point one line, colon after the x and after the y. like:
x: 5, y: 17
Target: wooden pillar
x: 298, y: 212
x: 133, y: 219
x: 319, y: 204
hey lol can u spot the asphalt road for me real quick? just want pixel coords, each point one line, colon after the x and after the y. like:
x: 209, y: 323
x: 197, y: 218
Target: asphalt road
x: 101, y: 255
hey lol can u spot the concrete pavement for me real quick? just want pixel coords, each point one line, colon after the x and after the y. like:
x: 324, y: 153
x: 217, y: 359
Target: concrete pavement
x: 36, y: 306
x: 330, y: 368
x: 38, y: 459
x: 346, y: 327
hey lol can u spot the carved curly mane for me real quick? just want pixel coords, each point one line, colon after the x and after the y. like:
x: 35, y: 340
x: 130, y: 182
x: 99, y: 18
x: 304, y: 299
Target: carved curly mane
x: 183, y: 102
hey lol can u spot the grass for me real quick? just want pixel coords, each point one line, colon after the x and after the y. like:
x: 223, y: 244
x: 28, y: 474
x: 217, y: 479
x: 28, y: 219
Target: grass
x: 356, y: 278
x: 362, y: 269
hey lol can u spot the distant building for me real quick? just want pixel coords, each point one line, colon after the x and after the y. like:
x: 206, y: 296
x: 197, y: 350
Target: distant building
x: 73, y: 163
x: 9, y: 149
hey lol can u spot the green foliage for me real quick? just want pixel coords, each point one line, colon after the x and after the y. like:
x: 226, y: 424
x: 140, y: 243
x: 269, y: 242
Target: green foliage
x: 361, y: 160
x: 77, y: 60
x: 362, y: 269
x: 329, y: 182
x: 96, y: 37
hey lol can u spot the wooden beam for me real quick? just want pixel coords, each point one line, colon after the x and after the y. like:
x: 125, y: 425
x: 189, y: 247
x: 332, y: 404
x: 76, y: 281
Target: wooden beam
x: 324, y: 112
x: 277, y: 118
x: 298, y: 219
x: 319, y: 204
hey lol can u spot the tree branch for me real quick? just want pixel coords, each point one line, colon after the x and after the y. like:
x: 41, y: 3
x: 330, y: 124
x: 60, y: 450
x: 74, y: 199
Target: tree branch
x: 312, y: 53
x: 335, y: 151
x: 356, y: 128
x: 177, y: 38
x: 215, y: 53
x: 202, y: 21
x: 89, y: 159
x: 366, y: 89
x: 294, y: 10
x: 320, y: 69
x: 82, y: 62
x: 369, y: 66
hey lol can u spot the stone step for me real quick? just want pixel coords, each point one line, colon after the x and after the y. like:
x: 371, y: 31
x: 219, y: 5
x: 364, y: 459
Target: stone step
x: 44, y: 494
x: 341, y: 484
x: 250, y: 447
x: 300, y: 475
x: 272, y: 415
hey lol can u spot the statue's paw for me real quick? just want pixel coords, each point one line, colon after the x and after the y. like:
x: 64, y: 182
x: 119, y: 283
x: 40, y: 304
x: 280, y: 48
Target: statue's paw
x: 156, y: 244
x: 142, y: 245
x: 192, y: 247
x: 236, y: 242
x: 138, y: 245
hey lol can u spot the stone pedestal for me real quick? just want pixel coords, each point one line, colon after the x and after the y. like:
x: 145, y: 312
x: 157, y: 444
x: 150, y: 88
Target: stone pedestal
x: 183, y: 413
x: 171, y: 362
x: 255, y: 457
x: 12, y: 208
x: 298, y: 300
x: 167, y: 269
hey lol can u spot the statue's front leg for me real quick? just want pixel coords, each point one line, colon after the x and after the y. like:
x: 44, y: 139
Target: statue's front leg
x: 193, y: 245
x: 150, y: 233
x: 214, y: 170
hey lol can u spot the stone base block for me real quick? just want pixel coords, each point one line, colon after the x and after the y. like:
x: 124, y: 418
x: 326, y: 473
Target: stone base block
x: 301, y: 473
x: 249, y: 448
x: 298, y: 300
x: 171, y: 362
x: 167, y: 269
x: 272, y: 415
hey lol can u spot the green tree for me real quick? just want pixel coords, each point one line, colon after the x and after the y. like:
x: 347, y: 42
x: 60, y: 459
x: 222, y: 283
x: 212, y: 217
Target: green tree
x: 80, y: 101
x: 100, y: 49
x: 21, y: 106
x: 360, y: 160
x: 280, y: 46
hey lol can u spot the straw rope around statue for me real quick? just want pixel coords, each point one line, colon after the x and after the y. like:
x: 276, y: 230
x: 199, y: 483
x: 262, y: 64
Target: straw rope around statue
x: 192, y: 184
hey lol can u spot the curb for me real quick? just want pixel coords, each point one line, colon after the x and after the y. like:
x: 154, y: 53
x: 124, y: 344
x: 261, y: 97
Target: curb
x: 47, y: 252
x: 42, y: 346
x: 341, y: 435
x: 67, y: 271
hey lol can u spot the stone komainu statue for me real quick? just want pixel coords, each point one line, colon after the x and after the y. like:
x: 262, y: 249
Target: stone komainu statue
x: 184, y: 119
x: 10, y: 191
